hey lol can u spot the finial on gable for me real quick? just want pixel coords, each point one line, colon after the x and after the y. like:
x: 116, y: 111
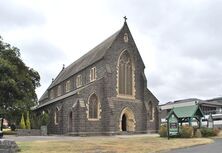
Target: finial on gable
x: 125, y: 18
x: 63, y: 66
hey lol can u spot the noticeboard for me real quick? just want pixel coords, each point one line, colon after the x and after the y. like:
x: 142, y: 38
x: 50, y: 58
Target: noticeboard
x: 173, y: 127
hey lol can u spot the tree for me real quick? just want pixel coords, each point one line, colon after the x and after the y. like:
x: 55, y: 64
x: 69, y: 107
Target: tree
x: 28, y: 124
x: 17, y: 83
x: 22, y: 122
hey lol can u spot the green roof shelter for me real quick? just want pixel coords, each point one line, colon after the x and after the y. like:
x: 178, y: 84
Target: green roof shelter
x: 187, y: 114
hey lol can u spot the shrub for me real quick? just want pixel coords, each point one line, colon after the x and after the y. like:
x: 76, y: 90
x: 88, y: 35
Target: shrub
x: 28, y: 125
x: 163, y: 130
x: 186, y: 131
x: 209, y: 132
x: 216, y: 131
x: 22, y: 122
x: 198, y: 134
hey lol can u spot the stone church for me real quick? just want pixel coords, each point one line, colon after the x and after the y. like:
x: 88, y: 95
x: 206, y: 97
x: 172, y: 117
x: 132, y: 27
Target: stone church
x: 102, y: 93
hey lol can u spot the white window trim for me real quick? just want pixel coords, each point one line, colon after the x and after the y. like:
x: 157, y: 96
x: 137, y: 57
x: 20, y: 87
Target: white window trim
x: 55, y: 116
x: 125, y: 96
x: 99, y: 109
x: 92, y: 73
x: 79, y: 81
x: 68, y: 86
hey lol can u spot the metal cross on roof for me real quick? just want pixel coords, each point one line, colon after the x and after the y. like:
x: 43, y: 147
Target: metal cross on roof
x: 125, y: 18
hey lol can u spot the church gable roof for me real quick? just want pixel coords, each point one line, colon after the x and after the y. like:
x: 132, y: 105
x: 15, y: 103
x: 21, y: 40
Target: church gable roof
x: 86, y: 60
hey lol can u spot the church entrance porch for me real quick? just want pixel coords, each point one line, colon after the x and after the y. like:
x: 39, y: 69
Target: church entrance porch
x: 124, y: 124
x: 127, y: 120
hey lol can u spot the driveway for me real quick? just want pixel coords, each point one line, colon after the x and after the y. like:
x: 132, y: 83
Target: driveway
x: 215, y: 147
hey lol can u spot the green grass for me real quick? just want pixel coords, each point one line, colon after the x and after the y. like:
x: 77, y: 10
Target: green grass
x: 109, y: 144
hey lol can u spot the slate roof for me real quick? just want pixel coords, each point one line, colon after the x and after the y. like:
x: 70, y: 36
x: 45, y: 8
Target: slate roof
x: 86, y: 60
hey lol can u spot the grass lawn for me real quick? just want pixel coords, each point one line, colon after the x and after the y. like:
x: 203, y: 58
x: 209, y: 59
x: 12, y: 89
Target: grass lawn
x: 109, y: 144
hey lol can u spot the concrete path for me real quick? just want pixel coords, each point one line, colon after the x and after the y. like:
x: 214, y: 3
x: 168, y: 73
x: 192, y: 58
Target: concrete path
x: 215, y: 147
x: 68, y: 138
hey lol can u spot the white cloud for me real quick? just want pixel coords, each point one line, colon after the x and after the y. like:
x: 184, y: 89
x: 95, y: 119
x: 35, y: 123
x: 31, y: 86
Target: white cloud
x: 178, y: 40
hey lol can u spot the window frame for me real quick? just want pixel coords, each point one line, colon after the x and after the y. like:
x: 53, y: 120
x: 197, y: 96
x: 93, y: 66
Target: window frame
x: 59, y: 90
x: 68, y: 86
x: 56, y: 116
x: 151, y: 111
x: 123, y: 68
x: 98, y: 108
x: 78, y: 81
x: 92, y: 74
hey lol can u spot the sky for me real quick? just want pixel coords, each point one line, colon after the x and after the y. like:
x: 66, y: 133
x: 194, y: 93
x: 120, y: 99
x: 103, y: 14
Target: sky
x: 179, y: 40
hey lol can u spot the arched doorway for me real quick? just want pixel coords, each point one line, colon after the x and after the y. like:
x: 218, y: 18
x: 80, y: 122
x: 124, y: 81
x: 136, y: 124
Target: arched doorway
x: 127, y: 120
x: 124, y: 124
x: 70, y: 122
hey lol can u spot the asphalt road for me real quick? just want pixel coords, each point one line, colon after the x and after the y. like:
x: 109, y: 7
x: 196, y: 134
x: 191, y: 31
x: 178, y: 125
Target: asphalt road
x: 215, y: 147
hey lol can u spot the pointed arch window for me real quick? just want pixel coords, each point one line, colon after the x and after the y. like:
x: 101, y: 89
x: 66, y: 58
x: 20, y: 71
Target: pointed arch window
x: 56, y: 116
x: 125, y: 74
x: 93, y: 107
x: 151, y: 111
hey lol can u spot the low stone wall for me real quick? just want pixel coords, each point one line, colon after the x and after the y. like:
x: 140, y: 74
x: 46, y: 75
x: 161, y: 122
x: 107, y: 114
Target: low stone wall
x: 28, y: 132
x: 8, y: 146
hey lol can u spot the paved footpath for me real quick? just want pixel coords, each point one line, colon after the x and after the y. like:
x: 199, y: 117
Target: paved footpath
x: 68, y: 138
x: 215, y: 147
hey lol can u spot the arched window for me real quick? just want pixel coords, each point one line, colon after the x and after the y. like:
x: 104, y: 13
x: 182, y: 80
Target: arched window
x: 56, y: 116
x: 93, y: 107
x: 125, y: 74
x: 151, y: 111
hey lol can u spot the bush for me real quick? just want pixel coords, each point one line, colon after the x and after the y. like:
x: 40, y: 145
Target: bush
x: 28, y: 124
x: 198, y: 134
x: 22, y: 123
x: 209, y: 132
x: 216, y: 131
x: 163, y: 130
x: 186, y: 131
